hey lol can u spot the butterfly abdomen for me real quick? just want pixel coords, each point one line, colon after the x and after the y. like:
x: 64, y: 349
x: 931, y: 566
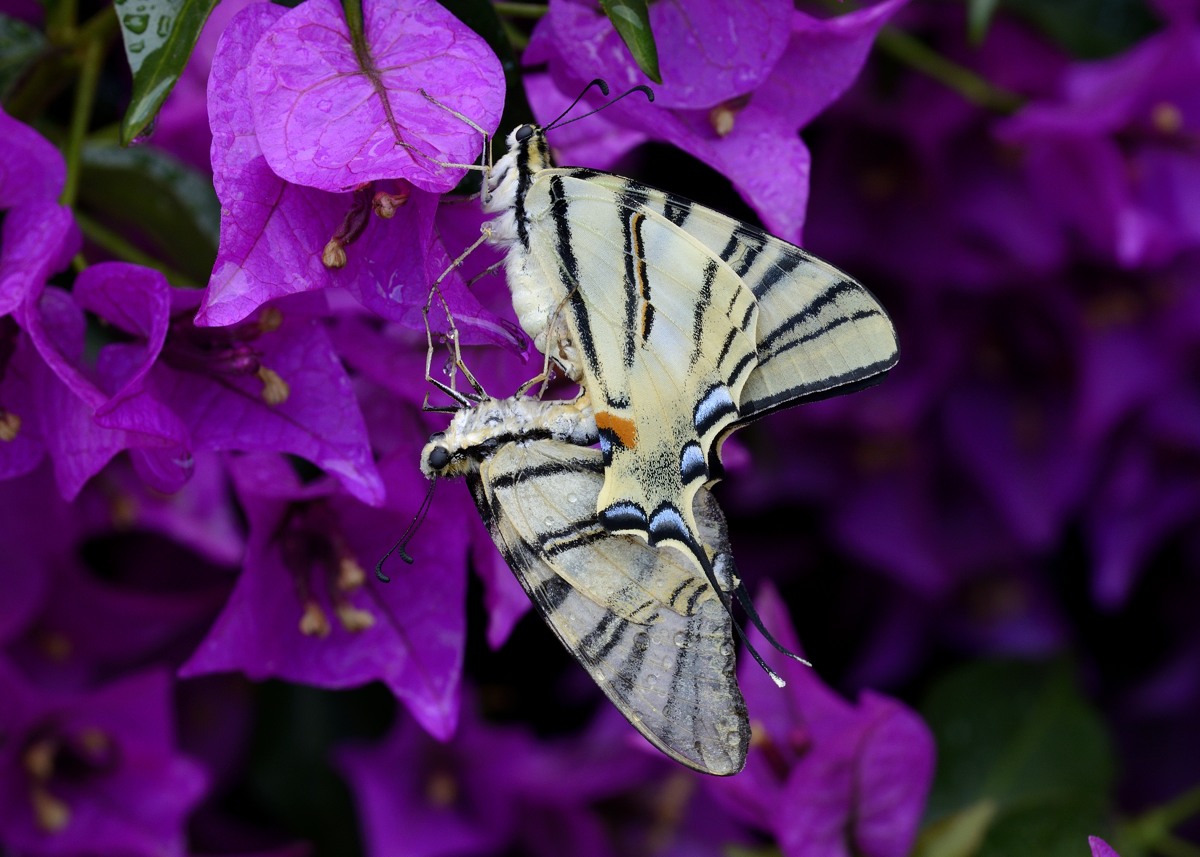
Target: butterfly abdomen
x: 476, y: 433
x: 537, y: 298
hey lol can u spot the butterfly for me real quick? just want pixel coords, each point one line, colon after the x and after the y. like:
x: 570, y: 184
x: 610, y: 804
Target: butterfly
x: 680, y: 324
x: 651, y: 631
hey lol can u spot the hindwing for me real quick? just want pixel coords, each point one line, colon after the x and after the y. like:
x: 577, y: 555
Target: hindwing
x: 666, y: 341
x: 680, y: 323
x: 640, y: 619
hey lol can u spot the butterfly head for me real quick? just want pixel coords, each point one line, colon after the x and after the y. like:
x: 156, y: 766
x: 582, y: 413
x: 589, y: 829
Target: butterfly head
x: 438, y: 458
x: 529, y: 144
x: 528, y: 152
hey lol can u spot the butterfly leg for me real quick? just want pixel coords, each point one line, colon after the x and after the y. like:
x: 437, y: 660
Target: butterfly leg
x: 435, y: 292
x: 552, y: 342
x: 485, y: 158
x: 456, y: 365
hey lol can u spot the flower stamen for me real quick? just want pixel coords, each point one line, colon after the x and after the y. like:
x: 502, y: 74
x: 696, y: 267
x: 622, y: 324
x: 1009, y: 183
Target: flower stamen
x: 352, y: 226
x: 385, y: 204
x: 10, y: 426
x: 722, y: 116
x: 51, y: 814
x: 227, y: 351
x: 311, y: 543
x: 1166, y: 118
x: 275, y: 389
x: 313, y: 621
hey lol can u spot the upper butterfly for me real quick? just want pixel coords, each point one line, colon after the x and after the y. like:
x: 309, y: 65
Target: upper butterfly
x: 680, y: 323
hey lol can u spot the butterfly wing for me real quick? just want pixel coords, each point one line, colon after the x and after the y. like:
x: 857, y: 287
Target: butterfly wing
x: 819, y: 330
x: 640, y: 619
x: 665, y: 333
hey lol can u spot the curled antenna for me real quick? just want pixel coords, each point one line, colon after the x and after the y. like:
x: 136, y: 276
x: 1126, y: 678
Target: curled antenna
x: 642, y: 88
x: 597, y: 83
x: 403, y: 541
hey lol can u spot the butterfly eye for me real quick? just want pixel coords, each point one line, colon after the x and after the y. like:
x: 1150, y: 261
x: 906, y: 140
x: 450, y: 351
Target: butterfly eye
x: 439, y: 457
x: 524, y: 133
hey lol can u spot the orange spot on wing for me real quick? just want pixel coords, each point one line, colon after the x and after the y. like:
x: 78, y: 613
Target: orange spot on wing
x: 623, y: 429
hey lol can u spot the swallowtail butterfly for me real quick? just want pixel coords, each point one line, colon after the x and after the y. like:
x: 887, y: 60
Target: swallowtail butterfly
x: 680, y: 323
x: 650, y: 630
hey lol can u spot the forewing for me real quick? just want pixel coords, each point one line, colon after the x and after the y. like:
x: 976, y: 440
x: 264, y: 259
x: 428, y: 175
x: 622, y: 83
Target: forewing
x: 666, y: 335
x: 818, y: 328
x: 640, y: 619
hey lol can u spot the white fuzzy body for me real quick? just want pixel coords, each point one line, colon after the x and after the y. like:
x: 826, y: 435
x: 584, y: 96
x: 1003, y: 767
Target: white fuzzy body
x: 476, y: 432
x: 537, y: 300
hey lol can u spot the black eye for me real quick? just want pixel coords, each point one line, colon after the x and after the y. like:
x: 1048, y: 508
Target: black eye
x: 439, y: 457
x: 524, y: 133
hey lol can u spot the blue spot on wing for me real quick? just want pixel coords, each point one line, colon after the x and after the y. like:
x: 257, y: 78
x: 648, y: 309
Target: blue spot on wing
x: 624, y: 515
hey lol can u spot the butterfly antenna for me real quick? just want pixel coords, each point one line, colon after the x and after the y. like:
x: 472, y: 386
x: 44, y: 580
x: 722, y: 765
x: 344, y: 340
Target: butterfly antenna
x: 642, y: 88
x: 597, y: 83
x: 403, y: 541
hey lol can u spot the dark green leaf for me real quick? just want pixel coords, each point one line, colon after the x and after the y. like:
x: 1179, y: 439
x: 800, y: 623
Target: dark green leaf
x: 979, y: 18
x: 1089, y: 29
x: 20, y: 46
x: 159, y: 36
x: 632, y: 20
x: 1024, y: 763
x: 167, y: 208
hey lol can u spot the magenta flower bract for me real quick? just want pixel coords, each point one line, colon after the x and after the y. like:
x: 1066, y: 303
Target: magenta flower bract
x: 38, y: 236
x: 824, y: 776
x: 492, y: 790
x: 67, y: 759
x: 739, y: 114
x: 274, y: 231
x: 307, y: 608
x: 1100, y: 848
x: 331, y: 114
x: 1114, y: 152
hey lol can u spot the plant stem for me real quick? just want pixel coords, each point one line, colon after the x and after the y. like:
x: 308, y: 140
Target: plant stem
x: 354, y: 21
x: 1180, y: 809
x: 101, y: 27
x: 126, y: 252
x: 516, y: 38
x: 61, y: 16
x: 520, y: 10
x: 81, y: 114
x: 1152, y: 829
x: 1173, y: 846
x: 971, y: 86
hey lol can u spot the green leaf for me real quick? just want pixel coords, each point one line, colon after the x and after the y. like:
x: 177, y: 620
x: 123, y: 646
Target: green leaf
x: 1089, y: 29
x: 632, y: 20
x: 159, y: 36
x: 1024, y: 764
x: 959, y: 834
x: 979, y: 18
x: 159, y: 203
x: 20, y: 47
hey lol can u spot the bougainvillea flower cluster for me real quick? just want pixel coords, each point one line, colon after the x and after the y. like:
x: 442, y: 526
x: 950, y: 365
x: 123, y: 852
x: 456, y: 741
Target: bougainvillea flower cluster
x: 990, y: 558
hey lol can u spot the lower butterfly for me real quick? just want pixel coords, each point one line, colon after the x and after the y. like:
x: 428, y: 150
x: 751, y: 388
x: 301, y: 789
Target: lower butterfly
x: 650, y: 630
